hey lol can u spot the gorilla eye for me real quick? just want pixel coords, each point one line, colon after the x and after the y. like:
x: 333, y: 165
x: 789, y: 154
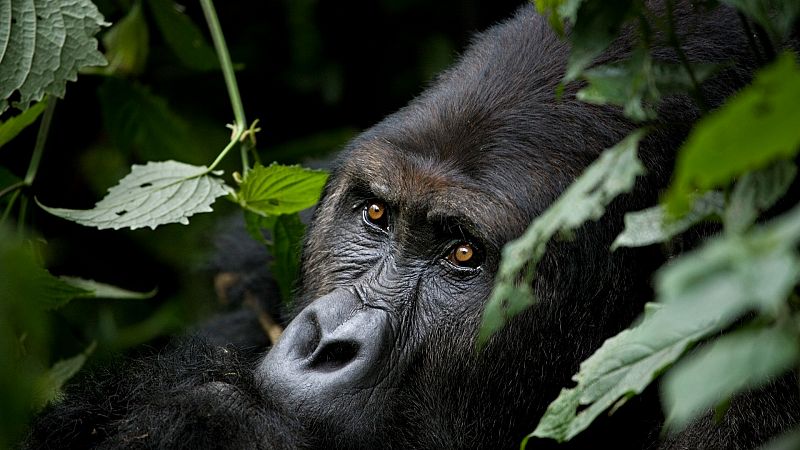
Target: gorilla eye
x: 464, y: 255
x: 375, y: 213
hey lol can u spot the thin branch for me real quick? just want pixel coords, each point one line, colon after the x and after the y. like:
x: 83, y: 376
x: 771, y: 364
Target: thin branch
x: 230, y: 77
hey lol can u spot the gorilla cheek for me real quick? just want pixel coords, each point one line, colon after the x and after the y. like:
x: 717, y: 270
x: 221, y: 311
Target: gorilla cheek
x: 332, y: 354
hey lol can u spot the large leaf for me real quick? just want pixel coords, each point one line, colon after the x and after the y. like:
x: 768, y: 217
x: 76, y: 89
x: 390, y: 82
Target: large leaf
x: 278, y: 189
x: 183, y: 36
x: 611, y: 175
x: 753, y: 128
x: 700, y: 293
x: 743, y: 360
x: 43, y: 44
x: 12, y: 127
x: 151, y: 195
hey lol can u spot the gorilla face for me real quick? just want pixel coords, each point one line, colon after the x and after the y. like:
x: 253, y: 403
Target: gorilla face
x: 399, y: 263
x: 400, y: 259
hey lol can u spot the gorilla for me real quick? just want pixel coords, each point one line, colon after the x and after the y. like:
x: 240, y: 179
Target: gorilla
x: 397, y: 266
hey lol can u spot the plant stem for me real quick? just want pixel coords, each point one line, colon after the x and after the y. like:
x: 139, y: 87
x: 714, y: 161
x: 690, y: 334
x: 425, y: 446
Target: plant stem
x: 234, y: 140
x: 41, y: 139
x: 240, y: 123
x: 12, y: 188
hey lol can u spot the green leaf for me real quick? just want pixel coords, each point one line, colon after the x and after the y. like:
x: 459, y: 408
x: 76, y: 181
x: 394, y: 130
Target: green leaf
x: 638, y: 84
x: 127, y: 43
x: 51, y: 382
x: 136, y: 119
x: 183, y: 37
x: 53, y: 292
x: 44, y: 44
x: 743, y: 360
x: 151, y: 195
x: 287, y: 242
x: 755, y: 193
x: 102, y: 290
x: 652, y: 225
x: 612, y: 174
x: 278, y: 189
x: 254, y: 224
x: 752, y: 129
x: 597, y: 24
x: 13, y: 126
x: 700, y: 293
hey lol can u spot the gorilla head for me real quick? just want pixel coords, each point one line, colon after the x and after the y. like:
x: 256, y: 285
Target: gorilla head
x: 399, y: 263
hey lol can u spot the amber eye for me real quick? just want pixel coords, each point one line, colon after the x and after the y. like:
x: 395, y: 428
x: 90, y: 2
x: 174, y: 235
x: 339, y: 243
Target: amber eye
x: 464, y: 255
x: 376, y: 214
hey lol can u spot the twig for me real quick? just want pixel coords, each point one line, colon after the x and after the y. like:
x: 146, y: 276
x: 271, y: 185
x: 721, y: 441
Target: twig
x: 271, y: 329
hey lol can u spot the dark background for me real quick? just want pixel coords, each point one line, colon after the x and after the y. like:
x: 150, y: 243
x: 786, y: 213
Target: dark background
x: 314, y: 73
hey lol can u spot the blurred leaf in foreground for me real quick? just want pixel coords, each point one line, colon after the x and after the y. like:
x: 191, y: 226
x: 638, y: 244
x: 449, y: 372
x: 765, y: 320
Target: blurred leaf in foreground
x: 745, y: 359
x: 753, y: 128
x: 613, y: 173
x: 700, y: 293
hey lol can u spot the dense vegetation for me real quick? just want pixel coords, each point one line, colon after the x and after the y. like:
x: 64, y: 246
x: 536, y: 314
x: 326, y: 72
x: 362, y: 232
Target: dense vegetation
x: 159, y: 97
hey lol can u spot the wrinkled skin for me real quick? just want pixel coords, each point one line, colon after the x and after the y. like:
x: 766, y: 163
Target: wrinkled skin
x: 382, y: 350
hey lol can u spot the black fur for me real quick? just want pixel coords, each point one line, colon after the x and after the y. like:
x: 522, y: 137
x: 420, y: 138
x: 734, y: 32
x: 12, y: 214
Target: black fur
x: 475, y: 157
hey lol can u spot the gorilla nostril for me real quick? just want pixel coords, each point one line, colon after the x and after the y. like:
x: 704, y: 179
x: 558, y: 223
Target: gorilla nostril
x: 334, y: 355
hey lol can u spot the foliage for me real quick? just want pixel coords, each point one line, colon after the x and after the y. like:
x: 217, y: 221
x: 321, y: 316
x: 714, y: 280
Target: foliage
x: 44, y: 46
x: 735, y: 292
x: 612, y: 174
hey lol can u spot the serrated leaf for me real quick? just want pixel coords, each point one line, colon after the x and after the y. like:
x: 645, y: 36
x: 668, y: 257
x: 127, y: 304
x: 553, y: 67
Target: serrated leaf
x: 136, y: 119
x: 652, y: 225
x: 103, y: 290
x: 54, y: 292
x: 277, y: 189
x: 52, y: 381
x: 13, y: 126
x: 43, y: 44
x: 752, y: 129
x: 155, y: 194
x: 746, y: 359
x: 700, y: 293
x: 613, y: 173
x: 183, y: 37
x: 127, y: 43
x: 756, y: 192
x: 638, y: 83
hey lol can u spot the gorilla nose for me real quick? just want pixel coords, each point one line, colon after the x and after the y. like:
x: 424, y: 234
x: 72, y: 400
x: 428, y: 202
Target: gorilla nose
x: 334, y: 345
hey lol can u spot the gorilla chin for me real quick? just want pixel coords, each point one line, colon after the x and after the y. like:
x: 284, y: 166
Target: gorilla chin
x: 399, y: 262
